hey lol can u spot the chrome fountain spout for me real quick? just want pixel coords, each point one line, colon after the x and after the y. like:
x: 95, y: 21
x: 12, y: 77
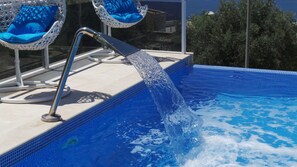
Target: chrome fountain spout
x: 181, y: 124
x: 118, y: 46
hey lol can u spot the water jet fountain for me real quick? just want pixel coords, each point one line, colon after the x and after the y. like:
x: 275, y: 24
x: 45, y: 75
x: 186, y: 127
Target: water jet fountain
x: 182, y: 126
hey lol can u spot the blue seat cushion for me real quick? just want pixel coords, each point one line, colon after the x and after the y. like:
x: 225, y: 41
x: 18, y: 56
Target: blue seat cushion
x: 120, y: 6
x: 29, y: 21
x: 21, y: 38
x: 127, y: 17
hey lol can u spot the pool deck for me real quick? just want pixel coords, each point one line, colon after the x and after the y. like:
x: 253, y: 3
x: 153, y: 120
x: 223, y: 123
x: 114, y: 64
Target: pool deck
x: 91, y: 84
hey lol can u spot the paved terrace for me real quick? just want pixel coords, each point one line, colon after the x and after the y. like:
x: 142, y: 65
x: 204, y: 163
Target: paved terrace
x: 91, y: 83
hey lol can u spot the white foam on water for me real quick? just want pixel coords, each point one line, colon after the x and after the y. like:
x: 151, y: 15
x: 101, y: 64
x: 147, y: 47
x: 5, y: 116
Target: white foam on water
x: 223, y: 150
x: 230, y: 142
x: 154, y: 136
x: 218, y: 151
x: 145, y: 144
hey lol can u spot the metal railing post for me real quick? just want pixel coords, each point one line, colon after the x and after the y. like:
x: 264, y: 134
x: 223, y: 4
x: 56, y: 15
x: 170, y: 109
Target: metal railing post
x: 184, y: 26
x: 46, y: 58
x: 247, y: 40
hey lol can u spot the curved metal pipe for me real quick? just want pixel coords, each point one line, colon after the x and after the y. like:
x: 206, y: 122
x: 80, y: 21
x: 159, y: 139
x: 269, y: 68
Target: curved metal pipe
x: 118, y: 46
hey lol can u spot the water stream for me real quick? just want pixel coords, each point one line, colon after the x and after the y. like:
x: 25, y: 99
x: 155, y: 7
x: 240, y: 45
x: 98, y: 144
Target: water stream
x: 182, y: 126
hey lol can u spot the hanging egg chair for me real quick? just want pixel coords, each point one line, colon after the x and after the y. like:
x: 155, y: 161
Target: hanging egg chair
x: 120, y: 13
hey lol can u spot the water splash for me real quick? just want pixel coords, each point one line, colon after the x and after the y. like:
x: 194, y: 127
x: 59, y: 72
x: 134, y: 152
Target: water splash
x: 182, y: 126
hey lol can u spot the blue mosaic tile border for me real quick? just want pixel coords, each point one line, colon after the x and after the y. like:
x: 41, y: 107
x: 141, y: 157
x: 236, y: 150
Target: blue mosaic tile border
x: 19, y: 153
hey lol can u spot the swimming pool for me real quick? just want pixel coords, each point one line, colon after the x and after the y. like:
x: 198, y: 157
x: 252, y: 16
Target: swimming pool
x: 249, y: 120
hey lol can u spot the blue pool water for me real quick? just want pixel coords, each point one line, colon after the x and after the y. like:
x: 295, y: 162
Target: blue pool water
x: 249, y: 120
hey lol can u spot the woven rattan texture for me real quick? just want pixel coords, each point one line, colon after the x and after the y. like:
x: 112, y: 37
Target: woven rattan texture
x: 10, y: 8
x: 110, y: 21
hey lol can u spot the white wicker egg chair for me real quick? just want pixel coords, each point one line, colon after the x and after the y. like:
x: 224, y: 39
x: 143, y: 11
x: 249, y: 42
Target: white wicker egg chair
x: 9, y: 10
x: 112, y: 22
x: 107, y: 16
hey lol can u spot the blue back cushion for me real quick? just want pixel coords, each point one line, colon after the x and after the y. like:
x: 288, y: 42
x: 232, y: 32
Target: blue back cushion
x: 32, y: 19
x: 120, y: 6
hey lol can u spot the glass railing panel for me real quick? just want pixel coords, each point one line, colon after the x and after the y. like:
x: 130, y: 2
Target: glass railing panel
x: 273, y: 30
x: 217, y: 33
x: 29, y: 60
x: 79, y: 13
x: 159, y: 30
